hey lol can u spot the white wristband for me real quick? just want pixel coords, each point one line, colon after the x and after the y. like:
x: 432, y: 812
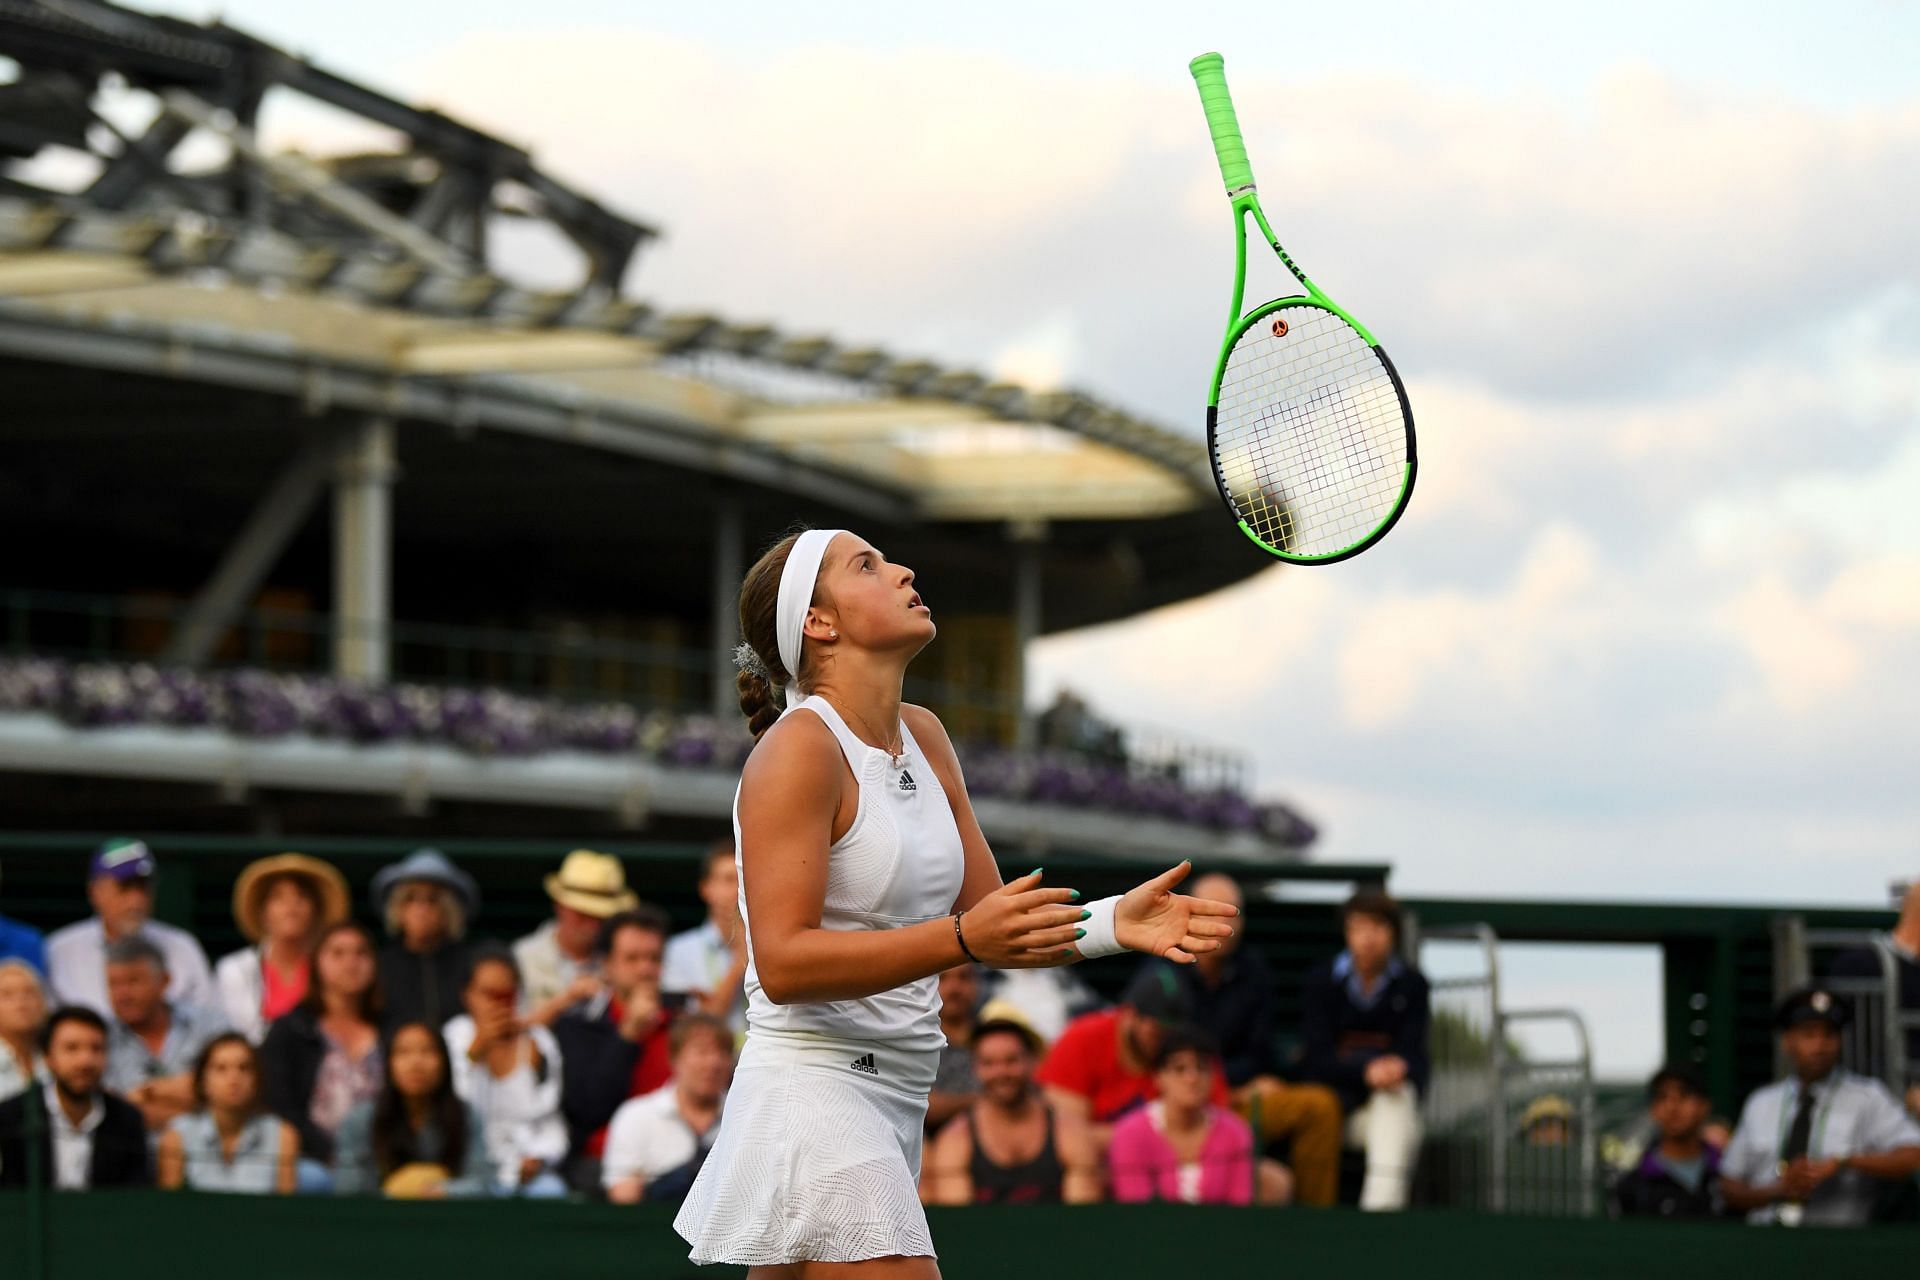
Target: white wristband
x: 1100, y: 940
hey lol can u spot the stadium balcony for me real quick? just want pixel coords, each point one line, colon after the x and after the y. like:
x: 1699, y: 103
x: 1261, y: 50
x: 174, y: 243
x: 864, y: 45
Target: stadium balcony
x: 550, y: 721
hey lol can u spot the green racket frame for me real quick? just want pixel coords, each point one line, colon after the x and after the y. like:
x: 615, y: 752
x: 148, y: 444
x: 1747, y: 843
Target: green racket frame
x: 1209, y: 73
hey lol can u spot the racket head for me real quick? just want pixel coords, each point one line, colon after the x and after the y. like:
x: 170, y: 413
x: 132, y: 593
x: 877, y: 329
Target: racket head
x: 1309, y: 433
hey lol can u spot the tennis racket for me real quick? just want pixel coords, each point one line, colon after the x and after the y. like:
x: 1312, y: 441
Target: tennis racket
x: 1308, y: 427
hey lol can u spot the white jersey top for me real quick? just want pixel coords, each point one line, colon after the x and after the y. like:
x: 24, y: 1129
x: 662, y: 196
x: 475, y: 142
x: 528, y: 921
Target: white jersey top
x: 77, y: 965
x: 900, y: 863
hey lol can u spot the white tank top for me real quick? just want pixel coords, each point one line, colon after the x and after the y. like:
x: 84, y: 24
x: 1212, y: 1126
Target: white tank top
x: 900, y: 863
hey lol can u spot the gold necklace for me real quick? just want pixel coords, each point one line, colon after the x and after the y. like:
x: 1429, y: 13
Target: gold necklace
x: 892, y: 753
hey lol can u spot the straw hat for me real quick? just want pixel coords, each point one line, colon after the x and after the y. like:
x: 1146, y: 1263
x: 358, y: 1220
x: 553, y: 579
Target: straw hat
x: 415, y: 1181
x: 1002, y: 1014
x: 1545, y: 1109
x: 327, y: 885
x: 594, y: 883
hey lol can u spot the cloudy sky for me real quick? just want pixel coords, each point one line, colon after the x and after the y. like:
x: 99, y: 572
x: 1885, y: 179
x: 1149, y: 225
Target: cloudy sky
x: 1651, y: 628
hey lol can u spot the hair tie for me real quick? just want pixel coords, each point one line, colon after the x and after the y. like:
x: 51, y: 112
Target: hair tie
x: 748, y: 659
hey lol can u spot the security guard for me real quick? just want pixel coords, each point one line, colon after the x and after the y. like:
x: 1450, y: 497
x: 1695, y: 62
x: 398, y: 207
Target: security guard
x: 1812, y: 1147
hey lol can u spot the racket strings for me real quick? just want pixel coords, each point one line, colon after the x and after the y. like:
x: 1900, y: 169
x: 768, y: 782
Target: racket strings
x: 1309, y: 434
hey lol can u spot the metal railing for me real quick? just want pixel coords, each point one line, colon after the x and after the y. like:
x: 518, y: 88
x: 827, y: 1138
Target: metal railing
x: 1465, y: 1108
x: 1554, y: 1163
x: 1506, y: 1131
x: 568, y: 661
x: 1876, y: 1039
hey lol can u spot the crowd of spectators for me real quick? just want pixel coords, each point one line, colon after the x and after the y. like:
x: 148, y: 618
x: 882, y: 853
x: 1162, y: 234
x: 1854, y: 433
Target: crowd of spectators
x: 321, y: 1058
x: 592, y: 1058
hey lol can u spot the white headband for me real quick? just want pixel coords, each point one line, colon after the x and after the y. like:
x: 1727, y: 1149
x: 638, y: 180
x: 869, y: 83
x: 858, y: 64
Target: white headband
x: 796, y: 597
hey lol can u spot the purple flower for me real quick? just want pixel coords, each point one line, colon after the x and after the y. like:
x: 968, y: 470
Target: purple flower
x: 493, y: 722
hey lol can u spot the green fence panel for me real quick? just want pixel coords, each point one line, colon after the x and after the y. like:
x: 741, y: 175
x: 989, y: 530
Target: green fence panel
x: 229, y: 1238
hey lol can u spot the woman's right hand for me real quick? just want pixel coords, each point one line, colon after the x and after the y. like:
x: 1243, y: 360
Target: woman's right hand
x: 1022, y: 926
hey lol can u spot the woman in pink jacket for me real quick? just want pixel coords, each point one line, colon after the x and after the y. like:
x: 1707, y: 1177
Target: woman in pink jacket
x: 1182, y: 1148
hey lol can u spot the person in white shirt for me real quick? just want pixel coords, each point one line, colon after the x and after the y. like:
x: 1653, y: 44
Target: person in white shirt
x: 656, y: 1140
x: 281, y: 904
x: 120, y: 886
x: 709, y: 964
x: 508, y: 1070
x: 86, y: 1138
x: 23, y: 1007
x: 557, y: 969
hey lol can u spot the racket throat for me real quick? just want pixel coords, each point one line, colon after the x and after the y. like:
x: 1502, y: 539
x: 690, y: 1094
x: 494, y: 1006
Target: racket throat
x: 1251, y: 204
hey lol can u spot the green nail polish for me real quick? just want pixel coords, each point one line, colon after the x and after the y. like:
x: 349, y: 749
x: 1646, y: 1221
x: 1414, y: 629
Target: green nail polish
x: 1086, y: 915
x: 1073, y: 895
x: 1036, y: 871
x: 1079, y: 934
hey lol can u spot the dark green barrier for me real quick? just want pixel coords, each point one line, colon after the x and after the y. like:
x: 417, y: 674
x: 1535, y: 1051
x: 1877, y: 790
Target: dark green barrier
x: 218, y: 1237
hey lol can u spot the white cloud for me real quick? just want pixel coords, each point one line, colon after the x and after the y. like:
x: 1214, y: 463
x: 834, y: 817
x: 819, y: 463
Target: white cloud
x: 1803, y: 657
x: 1038, y: 357
x: 944, y: 200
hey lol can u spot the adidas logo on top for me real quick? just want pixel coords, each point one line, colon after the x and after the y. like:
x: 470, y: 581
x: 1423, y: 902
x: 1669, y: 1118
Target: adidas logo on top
x: 907, y: 783
x: 865, y: 1063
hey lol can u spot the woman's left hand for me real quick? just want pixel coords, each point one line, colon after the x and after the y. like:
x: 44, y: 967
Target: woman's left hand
x: 1153, y: 919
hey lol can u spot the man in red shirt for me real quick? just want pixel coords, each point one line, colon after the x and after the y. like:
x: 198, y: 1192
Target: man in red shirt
x: 1101, y: 1067
x: 615, y: 1046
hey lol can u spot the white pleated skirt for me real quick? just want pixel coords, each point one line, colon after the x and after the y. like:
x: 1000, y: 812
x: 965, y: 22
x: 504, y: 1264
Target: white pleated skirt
x: 818, y: 1156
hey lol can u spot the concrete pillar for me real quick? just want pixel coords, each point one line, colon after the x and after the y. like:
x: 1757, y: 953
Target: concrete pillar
x: 363, y: 551
x: 728, y: 554
x: 1029, y: 539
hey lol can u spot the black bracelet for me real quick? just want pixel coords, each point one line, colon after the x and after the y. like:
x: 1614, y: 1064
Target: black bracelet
x: 961, y: 938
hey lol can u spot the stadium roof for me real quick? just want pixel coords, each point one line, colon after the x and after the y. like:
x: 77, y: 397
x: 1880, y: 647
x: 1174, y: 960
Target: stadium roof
x: 854, y: 425
x: 368, y: 278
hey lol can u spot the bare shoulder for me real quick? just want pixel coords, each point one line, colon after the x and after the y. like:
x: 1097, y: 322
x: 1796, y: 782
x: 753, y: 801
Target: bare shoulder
x: 954, y: 1143
x: 1072, y: 1133
x: 170, y: 1141
x: 289, y: 1138
x: 795, y: 750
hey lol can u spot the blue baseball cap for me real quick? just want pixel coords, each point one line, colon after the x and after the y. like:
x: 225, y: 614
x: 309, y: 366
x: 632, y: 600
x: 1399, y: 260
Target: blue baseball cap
x: 123, y: 858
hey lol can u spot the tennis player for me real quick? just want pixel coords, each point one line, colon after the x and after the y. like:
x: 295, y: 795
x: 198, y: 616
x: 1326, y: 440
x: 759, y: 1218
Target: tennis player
x: 863, y: 874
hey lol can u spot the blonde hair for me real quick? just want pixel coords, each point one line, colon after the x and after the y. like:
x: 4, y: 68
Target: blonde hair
x: 39, y: 988
x: 451, y: 907
x: 33, y: 975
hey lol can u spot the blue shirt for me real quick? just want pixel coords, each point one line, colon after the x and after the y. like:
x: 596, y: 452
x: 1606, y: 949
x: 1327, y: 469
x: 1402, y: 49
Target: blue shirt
x: 356, y: 1172
x: 23, y: 942
x: 255, y: 1166
x: 130, y: 1063
x: 1356, y: 989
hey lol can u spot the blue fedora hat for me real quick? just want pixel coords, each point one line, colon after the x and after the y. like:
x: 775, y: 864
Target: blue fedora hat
x: 429, y: 865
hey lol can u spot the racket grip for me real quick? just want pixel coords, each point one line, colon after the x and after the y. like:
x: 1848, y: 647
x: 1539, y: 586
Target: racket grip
x: 1209, y: 72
